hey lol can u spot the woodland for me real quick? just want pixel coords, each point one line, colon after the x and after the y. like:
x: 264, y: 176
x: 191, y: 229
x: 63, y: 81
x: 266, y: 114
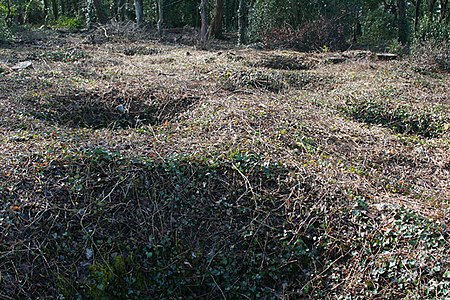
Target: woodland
x: 224, y: 149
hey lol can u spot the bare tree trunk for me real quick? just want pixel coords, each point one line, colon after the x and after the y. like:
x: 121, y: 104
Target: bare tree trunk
x: 139, y: 12
x: 417, y: 15
x: 63, y: 7
x: 55, y: 9
x: 402, y: 22
x: 46, y: 10
x: 160, y: 23
x: 215, y: 28
x: 204, y: 18
x: 242, y: 22
x: 120, y: 8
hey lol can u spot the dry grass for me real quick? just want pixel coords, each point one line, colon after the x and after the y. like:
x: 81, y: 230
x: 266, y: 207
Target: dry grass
x: 82, y: 183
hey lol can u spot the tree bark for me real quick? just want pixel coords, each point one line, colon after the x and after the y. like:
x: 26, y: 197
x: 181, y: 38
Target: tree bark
x: 63, y: 7
x: 120, y: 10
x: 242, y: 22
x: 160, y: 23
x: 204, y: 20
x: 402, y: 22
x: 139, y: 12
x: 417, y: 15
x: 215, y: 29
x: 55, y: 9
x: 46, y: 10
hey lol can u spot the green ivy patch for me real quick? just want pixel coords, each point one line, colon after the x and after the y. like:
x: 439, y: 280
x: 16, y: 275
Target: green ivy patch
x: 401, y: 118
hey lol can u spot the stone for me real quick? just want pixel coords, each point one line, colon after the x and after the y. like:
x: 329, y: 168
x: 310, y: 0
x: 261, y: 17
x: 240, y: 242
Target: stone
x: 387, y: 56
x: 23, y: 65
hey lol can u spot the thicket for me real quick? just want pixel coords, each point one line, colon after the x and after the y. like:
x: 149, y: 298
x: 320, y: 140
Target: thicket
x: 431, y: 45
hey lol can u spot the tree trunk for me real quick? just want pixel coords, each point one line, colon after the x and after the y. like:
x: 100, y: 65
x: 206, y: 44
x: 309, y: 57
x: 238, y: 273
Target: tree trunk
x: 119, y: 10
x: 46, y: 10
x: 242, y: 22
x: 417, y: 15
x: 402, y: 22
x: 215, y: 29
x: 63, y: 7
x: 204, y: 24
x: 55, y: 9
x: 139, y: 12
x: 160, y: 23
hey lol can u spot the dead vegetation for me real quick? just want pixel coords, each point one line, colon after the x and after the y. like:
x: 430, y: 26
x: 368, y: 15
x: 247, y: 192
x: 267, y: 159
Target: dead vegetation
x: 229, y: 173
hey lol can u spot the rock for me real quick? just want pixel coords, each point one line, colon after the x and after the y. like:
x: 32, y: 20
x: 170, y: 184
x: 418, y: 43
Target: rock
x: 120, y: 108
x: 23, y: 65
x: 387, y: 56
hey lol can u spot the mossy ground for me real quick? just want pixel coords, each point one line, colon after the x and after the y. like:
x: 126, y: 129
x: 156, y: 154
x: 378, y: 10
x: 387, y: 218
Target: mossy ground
x: 228, y: 175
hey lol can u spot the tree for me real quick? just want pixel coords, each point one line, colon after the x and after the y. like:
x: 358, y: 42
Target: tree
x: 204, y: 24
x: 402, y: 22
x: 46, y: 9
x: 160, y: 23
x: 139, y: 8
x: 417, y: 15
x: 242, y: 22
x: 215, y: 28
x: 55, y: 9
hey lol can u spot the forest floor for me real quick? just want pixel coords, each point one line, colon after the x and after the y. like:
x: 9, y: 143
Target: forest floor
x: 133, y: 168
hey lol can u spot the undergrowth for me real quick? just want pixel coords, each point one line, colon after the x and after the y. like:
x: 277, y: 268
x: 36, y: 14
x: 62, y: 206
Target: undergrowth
x: 273, y: 81
x: 201, y: 227
x: 124, y: 181
x: 400, y: 118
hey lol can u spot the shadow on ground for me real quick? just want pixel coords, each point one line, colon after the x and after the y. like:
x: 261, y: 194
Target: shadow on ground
x: 108, y: 109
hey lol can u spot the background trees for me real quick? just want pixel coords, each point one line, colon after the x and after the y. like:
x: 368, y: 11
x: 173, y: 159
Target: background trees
x: 306, y: 25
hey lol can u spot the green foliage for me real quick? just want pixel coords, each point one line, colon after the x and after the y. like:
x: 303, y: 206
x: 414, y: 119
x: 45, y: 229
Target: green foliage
x: 66, y: 56
x: 182, y: 256
x: 5, y: 34
x: 378, y: 28
x: 69, y: 22
x: 271, y: 14
x: 434, y: 32
x: 118, y: 278
x: 34, y: 12
x: 394, y: 46
x: 400, y: 229
x: 401, y: 119
x: 431, y: 46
